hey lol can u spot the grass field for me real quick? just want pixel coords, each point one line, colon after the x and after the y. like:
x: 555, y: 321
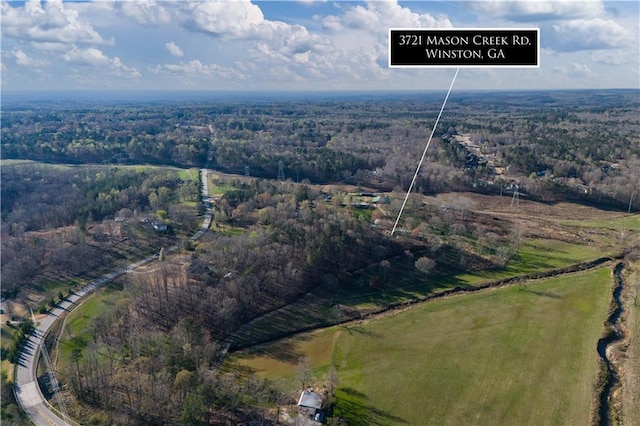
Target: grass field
x: 631, y: 359
x: 218, y: 186
x: 189, y: 174
x: 406, y: 283
x: 537, y: 255
x: 6, y: 337
x: 77, y: 333
x: 507, y: 356
x: 16, y: 162
x: 631, y: 223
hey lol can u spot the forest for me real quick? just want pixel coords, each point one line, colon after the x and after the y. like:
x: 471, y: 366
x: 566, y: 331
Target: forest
x: 578, y: 145
x: 66, y: 221
x: 304, y: 193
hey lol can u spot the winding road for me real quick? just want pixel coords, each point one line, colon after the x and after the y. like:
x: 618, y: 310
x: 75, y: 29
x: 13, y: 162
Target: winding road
x: 27, y: 390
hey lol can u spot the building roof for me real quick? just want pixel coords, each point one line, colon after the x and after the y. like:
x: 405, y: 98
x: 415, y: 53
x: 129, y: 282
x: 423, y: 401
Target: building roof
x: 310, y: 399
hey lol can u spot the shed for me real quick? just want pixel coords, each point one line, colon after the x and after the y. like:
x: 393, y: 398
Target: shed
x: 160, y: 226
x: 380, y: 200
x: 310, y: 399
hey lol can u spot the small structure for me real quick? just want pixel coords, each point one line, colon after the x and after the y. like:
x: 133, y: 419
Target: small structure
x: 310, y: 399
x: 159, y: 226
x: 380, y: 199
x: 310, y: 403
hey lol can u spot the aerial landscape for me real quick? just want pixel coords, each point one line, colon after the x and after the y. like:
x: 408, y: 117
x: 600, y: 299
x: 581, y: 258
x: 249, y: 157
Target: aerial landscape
x: 226, y: 213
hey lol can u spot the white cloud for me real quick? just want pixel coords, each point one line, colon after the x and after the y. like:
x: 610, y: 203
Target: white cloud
x: 121, y: 70
x: 581, y: 34
x: 49, y: 23
x: 358, y: 38
x: 379, y: 16
x: 573, y: 70
x: 290, y: 53
x: 539, y: 10
x: 231, y: 20
x: 581, y: 70
x: 49, y: 46
x: 325, y: 62
x: 25, y: 60
x: 146, y: 12
x: 331, y: 22
x: 311, y: 2
x: 237, y: 47
x: 174, y: 49
x: 196, y: 71
x: 90, y: 56
x: 241, y: 21
x: 100, y: 62
x: 613, y: 57
x: 191, y: 67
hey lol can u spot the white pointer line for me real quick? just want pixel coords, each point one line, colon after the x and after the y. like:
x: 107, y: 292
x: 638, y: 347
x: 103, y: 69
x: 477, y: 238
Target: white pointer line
x: 424, y: 153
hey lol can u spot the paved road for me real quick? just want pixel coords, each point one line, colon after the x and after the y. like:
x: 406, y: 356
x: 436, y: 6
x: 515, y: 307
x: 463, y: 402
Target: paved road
x: 27, y: 391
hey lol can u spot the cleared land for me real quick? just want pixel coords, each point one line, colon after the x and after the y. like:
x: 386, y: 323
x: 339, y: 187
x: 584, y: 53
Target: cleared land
x: 629, y: 223
x: 78, y: 330
x: 405, y: 283
x: 507, y: 356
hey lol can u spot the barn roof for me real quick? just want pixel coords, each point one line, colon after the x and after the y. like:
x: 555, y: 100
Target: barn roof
x: 310, y: 399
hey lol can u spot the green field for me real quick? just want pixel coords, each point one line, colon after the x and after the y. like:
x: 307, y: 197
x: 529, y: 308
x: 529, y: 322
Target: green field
x: 631, y: 223
x: 506, y: 356
x: 218, y: 186
x: 631, y: 368
x: 189, y: 174
x: 16, y: 162
x: 405, y: 283
x: 6, y: 337
x: 534, y: 256
x: 77, y: 332
x: 408, y: 283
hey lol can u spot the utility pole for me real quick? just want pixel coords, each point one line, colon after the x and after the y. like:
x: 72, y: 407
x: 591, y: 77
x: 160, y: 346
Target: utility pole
x: 280, y: 171
x: 516, y: 196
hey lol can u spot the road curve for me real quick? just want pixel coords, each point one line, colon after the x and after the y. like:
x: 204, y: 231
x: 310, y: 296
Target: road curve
x: 27, y: 391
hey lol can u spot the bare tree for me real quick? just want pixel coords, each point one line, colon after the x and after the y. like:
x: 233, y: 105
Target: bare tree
x: 425, y: 264
x: 385, y: 267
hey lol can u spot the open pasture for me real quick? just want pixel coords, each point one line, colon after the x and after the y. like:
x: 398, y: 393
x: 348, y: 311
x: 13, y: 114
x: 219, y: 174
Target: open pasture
x: 515, y: 355
x: 623, y: 223
x: 406, y: 283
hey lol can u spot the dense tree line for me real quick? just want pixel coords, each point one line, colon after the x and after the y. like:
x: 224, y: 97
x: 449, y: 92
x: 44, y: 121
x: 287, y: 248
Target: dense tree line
x: 139, y: 373
x: 292, y: 240
x: 167, y: 333
x: 38, y: 197
x: 67, y: 221
x: 20, y: 336
x: 10, y: 413
x: 95, y: 134
x: 153, y: 358
x: 582, y: 138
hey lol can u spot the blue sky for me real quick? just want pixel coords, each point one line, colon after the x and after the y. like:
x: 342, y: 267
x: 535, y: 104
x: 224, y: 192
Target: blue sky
x: 301, y: 45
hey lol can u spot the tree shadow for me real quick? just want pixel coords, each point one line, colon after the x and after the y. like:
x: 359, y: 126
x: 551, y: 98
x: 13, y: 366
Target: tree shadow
x: 541, y: 293
x: 282, y: 350
x: 354, y: 407
x: 358, y: 329
x: 241, y: 370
